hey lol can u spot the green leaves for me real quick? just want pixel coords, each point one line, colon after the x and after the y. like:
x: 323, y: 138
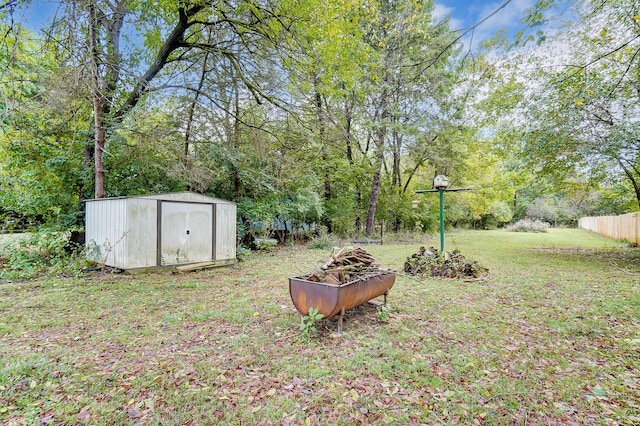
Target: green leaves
x: 308, y: 323
x: 577, y: 118
x: 42, y: 137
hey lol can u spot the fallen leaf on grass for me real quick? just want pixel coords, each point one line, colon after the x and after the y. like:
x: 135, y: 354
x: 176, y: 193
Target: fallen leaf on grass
x: 134, y: 414
x: 47, y: 418
x: 84, y: 415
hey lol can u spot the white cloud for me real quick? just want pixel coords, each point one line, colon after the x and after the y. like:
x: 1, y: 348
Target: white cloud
x: 507, y: 18
x: 441, y: 12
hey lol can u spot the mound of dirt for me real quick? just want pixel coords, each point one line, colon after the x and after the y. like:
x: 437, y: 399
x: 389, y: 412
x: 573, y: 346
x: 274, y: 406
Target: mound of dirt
x: 444, y: 265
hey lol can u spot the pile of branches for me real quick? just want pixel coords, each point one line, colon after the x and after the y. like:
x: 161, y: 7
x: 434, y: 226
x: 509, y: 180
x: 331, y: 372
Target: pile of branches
x: 444, y: 265
x: 346, y: 265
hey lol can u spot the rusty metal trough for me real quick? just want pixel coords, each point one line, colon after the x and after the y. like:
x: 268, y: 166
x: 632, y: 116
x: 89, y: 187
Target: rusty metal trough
x: 332, y: 299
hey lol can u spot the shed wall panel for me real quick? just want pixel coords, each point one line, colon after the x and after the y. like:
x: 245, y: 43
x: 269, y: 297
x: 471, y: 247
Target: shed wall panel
x: 132, y: 232
x: 141, y: 233
x: 225, y: 239
x: 105, y: 228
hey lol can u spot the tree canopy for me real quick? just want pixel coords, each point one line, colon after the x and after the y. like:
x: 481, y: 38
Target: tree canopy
x: 311, y: 111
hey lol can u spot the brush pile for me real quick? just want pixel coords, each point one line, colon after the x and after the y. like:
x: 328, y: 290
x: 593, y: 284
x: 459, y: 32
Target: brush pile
x: 444, y: 265
x: 344, y: 266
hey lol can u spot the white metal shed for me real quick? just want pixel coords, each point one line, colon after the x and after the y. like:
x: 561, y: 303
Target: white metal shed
x: 160, y: 230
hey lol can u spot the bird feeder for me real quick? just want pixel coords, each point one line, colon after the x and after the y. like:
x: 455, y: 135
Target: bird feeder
x: 440, y: 184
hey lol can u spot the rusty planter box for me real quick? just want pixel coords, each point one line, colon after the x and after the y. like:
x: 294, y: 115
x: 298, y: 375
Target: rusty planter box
x: 331, y: 299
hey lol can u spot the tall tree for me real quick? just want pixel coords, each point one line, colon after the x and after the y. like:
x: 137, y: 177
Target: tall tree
x: 173, y: 34
x: 43, y: 123
x: 408, y: 81
x: 325, y: 67
x: 582, y: 113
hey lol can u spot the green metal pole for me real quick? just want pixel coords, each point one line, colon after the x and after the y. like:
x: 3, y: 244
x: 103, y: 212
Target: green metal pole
x: 441, y: 220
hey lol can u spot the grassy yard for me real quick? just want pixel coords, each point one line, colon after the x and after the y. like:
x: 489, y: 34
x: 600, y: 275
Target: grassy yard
x: 551, y: 337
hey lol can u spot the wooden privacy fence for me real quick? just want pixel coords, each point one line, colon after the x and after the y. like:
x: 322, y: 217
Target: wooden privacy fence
x: 625, y: 227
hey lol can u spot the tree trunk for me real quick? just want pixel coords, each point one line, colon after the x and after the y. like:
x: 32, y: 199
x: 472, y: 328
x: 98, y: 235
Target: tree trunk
x: 380, y: 143
x: 324, y: 153
x: 375, y: 182
x: 348, y: 115
x: 373, y: 202
x: 98, y: 111
x: 396, y: 178
x: 237, y: 184
x: 105, y: 75
x: 191, y: 115
x: 99, y: 144
x: 105, y: 84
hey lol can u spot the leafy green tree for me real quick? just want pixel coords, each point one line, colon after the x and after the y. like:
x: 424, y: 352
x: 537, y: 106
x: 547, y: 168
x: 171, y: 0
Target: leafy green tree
x: 144, y: 155
x: 298, y: 110
x: 43, y: 128
x: 326, y: 66
x: 582, y: 112
x: 403, y: 83
x: 174, y: 35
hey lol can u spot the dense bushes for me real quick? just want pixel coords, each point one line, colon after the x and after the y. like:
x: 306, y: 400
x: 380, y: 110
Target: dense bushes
x: 47, y: 251
x: 528, y: 225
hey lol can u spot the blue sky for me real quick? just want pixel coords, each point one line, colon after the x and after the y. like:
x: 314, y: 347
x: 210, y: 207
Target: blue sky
x: 466, y: 13
x: 37, y: 14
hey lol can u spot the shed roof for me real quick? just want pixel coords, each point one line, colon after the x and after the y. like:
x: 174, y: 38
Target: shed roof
x: 185, y: 196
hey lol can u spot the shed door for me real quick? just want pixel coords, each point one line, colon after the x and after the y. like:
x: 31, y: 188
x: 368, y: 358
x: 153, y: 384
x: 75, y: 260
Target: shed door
x: 186, y: 233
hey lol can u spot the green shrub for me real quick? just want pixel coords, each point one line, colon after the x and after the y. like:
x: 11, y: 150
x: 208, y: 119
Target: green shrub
x: 242, y: 253
x: 39, y: 253
x: 322, y: 241
x: 265, y: 244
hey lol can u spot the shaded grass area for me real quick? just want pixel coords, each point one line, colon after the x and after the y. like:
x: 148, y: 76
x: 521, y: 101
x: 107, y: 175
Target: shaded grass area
x: 551, y: 337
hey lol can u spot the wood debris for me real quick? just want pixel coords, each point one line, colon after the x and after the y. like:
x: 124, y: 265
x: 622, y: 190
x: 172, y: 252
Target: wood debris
x: 445, y: 265
x: 344, y: 266
x: 350, y: 257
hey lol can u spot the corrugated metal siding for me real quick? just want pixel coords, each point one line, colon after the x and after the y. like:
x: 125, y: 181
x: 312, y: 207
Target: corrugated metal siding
x: 105, y: 228
x: 142, y: 233
x: 125, y: 230
x: 225, y: 230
